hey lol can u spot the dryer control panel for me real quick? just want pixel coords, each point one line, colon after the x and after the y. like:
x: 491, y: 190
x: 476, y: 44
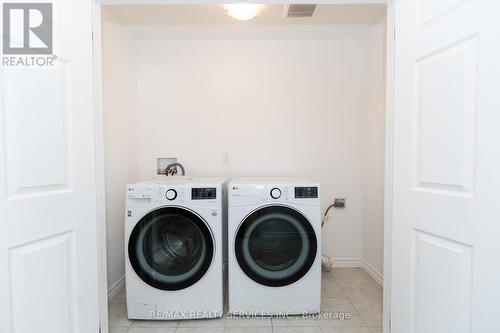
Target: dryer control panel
x: 203, y: 193
x: 249, y: 194
x: 306, y: 192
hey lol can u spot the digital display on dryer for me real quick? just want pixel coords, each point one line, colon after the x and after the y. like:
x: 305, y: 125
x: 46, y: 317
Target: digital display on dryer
x: 306, y: 192
x: 203, y: 193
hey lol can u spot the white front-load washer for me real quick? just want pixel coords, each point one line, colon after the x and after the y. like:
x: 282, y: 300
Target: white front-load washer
x: 274, y: 230
x: 173, y: 248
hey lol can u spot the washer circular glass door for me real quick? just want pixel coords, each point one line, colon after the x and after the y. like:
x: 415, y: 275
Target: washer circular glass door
x: 275, y: 246
x: 171, y: 248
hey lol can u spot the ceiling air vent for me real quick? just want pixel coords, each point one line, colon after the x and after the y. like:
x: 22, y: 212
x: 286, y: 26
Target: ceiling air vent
x: 299, y: 10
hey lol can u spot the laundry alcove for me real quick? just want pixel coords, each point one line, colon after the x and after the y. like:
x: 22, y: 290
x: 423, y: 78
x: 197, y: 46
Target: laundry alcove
x: 272, y: 96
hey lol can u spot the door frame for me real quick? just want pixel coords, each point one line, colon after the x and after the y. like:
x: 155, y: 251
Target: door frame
x: 99, y: 130
x: 100, y: 168
x: 389, y: 144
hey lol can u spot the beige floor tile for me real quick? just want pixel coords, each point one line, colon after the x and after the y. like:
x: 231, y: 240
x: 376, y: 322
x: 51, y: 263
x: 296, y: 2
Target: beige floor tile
x: 117, y: 316
x: 199, y: 330
x: 248, y: 322
x: 351, y: 272
x: 151, y: 330
x: 295, y: 321
x: 155, y: 323
x: 117, y: 329
x: 370, y: 310
x: 377, y: 329
x: 364, y: 306
x: 351, y: 320
x: 375, y: 283
x: 296, y: 330
x: 326, y: 274
x: 338, y: 311
x: 346, y: 330
x: 336, y: 304
x: 330, y: 288
x: 216, y: 322
x: 248, y: 330
x: 119, y: 299
x: 358, y: 286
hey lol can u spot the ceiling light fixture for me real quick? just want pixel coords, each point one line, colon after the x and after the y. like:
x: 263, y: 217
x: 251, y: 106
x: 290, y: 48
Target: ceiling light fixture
x: 243, y: 11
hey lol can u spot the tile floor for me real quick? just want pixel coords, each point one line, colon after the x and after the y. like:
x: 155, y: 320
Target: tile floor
x: 345, y: 290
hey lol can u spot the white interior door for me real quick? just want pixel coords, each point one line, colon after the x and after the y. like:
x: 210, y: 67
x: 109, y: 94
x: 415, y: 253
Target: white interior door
x: 446, y: 225
x: 48, y: 247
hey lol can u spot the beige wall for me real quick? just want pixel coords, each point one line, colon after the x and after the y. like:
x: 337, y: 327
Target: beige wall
x: 373, y: 149
x: 120, y: 134
x: 311, y: 108
x: 279, y: 107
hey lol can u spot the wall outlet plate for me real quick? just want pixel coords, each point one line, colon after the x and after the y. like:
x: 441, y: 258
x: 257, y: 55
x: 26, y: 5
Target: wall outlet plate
x: 226, y: 159
x: 339, y: 203
x: 162, y: 163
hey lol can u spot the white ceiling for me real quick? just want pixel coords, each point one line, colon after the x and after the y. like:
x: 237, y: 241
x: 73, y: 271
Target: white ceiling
x: 211, y: 22
x: 271, y: 15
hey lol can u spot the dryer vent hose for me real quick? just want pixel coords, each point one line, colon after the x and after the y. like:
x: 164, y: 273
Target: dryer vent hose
x: 325, y: 216
x: 326, y: 263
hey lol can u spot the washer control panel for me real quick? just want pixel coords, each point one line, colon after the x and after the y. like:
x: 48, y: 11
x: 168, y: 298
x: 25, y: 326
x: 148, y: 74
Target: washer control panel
x: 207, y: 192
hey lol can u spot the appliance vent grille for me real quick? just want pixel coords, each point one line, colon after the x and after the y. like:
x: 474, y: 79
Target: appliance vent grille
x: 300, y: 10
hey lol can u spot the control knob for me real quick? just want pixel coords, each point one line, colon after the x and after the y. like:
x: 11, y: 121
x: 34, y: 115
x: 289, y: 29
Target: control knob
x: 275, y: 193
x: 171, y: 194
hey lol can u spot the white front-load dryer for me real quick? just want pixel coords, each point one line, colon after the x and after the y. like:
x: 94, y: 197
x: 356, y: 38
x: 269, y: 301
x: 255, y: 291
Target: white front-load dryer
x: 173, y: 248
x: 274, y: 230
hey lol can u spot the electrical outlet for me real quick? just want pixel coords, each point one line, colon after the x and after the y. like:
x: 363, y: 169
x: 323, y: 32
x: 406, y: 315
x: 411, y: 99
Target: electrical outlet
x: 226, y: 159
x: 339, y: 203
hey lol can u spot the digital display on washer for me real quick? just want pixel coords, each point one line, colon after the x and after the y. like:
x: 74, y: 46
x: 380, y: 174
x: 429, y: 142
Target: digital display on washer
x: 203, y: 193
x: 306, y: 192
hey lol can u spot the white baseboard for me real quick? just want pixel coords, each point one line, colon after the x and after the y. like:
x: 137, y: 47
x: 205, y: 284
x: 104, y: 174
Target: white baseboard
x: 373, y: 273
x: 347, y: 262
x: 116, y: 288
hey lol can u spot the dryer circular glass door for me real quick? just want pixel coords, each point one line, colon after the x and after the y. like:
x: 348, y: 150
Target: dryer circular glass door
x: 275, y: 246
x: 171, y: 248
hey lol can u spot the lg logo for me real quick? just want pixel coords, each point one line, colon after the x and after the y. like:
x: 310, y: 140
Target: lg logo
x: 27, y: 28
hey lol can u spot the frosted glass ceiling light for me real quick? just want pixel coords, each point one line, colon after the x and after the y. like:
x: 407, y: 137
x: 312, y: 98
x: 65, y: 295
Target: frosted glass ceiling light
x: 243, y: 11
